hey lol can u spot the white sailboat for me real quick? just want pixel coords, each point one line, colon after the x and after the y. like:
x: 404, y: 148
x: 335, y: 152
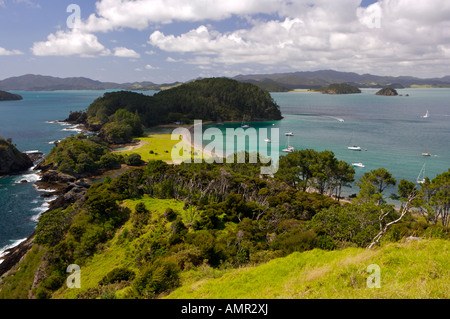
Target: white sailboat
x: 288, y: 149
x: 358, y: 165
x: 426, y: 153
x: 427, y: 115
x: 421, y: 177
x: 244, y: 125
x: 354, y: 147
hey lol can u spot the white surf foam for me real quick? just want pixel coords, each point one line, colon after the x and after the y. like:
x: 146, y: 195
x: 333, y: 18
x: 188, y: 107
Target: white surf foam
x: 3, y: 250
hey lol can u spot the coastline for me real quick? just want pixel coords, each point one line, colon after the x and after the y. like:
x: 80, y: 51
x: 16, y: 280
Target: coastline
x: 54, y: 191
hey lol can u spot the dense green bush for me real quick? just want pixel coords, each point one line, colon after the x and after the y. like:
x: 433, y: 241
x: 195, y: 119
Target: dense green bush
x: 118, y: 275
x: 159, y: 277
x: 52, y: 226
x: 134, y: 160
x: 295, y: 240
x: 81, y: 156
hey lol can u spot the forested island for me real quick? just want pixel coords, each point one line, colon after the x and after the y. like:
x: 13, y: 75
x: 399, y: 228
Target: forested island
x: 155, y: 228
x: 119, y: 116
x: 339, y: 88
x: 387, y: 92
x: 6, y: 96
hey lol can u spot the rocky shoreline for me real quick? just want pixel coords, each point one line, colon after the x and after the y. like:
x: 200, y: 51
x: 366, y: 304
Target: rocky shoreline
x: 68, y: 190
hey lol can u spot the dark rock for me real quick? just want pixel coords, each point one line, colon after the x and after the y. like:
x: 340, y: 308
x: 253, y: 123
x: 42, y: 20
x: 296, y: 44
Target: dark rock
x: 58, y: 177
x: 35, y: 157
x: 11, y: 159
x: 14, y: 255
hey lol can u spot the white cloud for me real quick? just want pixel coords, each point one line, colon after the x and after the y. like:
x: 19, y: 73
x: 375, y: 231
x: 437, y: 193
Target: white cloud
x: 332, y: 34
x: 386, y: 37
x: 151, y: 67
x: 67, y: 43
x: 123, y: 52
x: 139, y: 14
x: 4, y: 51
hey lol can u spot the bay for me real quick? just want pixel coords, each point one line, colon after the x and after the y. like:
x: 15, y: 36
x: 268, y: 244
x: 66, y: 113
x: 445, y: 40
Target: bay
x: 390, y: 130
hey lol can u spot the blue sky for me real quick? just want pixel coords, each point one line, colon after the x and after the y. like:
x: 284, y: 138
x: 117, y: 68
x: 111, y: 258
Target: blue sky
x: 178, y: 40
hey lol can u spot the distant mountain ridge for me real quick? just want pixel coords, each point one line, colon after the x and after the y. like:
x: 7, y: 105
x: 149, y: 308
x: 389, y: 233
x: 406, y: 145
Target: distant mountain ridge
x: 318, y: 79
x: 276, y: 82
x: 32, y: 82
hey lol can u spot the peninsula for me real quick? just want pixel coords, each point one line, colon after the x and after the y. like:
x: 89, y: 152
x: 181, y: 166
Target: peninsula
x: 6, y: 96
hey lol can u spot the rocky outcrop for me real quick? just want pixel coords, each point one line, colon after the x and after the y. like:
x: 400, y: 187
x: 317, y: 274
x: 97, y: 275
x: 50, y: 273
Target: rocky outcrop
x: 387, y: 92
x: 15, y: 255
x: 11, y: 159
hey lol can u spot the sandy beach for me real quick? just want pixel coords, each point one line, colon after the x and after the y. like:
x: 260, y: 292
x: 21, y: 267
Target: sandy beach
x: 186, y: 137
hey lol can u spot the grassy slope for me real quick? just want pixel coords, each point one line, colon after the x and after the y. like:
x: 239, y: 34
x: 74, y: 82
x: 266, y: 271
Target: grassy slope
x: 20, y: 279
x: 117, y: 253
x: 408, y: 270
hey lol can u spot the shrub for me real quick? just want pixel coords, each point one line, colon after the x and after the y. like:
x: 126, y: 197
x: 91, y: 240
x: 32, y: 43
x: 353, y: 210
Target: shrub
x: 118, y: 275
x: 296, y: 240
x: 159, y: 277
x: 134, y: 160
x: 170, y: 214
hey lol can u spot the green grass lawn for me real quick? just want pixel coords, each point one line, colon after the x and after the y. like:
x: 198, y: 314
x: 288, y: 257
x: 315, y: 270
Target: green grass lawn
x: 159, y: 147
x: 409, y: 270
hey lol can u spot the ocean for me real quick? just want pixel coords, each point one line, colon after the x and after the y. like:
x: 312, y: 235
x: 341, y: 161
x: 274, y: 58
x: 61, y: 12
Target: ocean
x: 390, y: 130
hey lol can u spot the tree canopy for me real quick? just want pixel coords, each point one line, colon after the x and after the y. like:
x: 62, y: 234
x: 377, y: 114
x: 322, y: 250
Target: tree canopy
x: 214, y: 99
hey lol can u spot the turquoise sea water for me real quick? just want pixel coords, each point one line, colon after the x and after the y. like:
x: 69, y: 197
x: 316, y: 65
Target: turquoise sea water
x: 389, y: 128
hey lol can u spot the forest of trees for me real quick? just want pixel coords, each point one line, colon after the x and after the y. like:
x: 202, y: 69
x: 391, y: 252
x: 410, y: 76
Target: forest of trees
x: 231, y: 217
x: 214, y: 99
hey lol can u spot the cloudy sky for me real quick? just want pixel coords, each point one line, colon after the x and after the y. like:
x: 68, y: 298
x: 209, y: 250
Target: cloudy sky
x: 178, y: 40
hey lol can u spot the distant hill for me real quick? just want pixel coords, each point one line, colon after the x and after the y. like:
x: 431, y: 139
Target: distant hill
x: 5, y: 96
x: 276, y: 82
x: 31, y: 82
x: 318, y: 79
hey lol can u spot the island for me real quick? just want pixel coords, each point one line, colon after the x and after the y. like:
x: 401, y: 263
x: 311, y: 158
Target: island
x: 387, y: 91
x: 120, y: 116
x: 339, y: 88
x: 6, y: 96
x: 143, y: 228
x: 11, y: 159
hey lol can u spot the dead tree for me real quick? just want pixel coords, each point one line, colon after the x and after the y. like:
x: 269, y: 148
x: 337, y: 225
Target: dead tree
x: 384, y: 228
